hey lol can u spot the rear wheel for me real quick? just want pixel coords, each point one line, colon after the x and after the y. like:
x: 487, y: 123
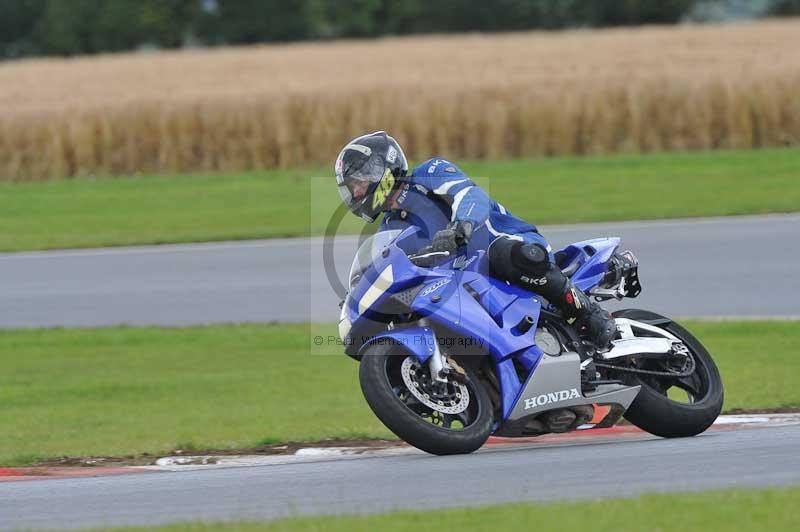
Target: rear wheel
x: 674, y: 407
x: 438, y: 418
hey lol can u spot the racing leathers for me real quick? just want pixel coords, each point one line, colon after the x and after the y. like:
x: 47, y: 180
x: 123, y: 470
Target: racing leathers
x: 452, y: 211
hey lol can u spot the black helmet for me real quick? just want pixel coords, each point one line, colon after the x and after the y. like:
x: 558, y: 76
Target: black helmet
x: 366, y: 172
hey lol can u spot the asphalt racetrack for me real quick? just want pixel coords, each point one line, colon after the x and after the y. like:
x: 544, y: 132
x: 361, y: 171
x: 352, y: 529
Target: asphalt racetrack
x: 736, y: 267
x: 590, y: 469
x: 728, y: 267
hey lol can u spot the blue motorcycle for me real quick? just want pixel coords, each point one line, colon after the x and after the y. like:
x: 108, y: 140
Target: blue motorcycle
x: 450, y: 355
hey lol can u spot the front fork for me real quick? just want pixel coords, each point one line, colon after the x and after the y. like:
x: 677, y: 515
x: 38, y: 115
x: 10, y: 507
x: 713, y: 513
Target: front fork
x: 437, y: 363
x: 442, y: 368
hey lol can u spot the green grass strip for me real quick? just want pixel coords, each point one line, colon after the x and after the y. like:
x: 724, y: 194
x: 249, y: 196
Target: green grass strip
x: 191, y: 208
x: 775, y: 510
x: 126, y: 391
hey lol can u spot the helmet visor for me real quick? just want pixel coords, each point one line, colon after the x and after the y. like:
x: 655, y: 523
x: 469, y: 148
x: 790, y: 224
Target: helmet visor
x: 356, y: 175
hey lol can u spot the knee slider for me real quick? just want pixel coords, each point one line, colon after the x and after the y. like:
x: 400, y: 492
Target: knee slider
x: 530, y: 258
x: 523, y: 264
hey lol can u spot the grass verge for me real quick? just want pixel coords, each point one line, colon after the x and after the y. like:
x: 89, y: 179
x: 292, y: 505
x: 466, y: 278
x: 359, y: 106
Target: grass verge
x: 127, y: 391
x: 191, y: 208
x: 729, y: 510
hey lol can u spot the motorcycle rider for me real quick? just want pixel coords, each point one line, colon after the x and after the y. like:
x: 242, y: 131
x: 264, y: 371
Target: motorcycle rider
x: 452, y: 211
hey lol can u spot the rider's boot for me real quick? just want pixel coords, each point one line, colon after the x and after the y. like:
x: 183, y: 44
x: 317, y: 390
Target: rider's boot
x: 591, y: 320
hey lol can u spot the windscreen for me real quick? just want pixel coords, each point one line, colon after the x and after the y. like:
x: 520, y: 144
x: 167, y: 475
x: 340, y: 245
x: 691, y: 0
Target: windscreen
x: 368, y: 251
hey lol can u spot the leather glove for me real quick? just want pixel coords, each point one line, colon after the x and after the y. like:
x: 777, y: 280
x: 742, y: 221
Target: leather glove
x: 456, y: 234
x: 463, y: 232
x: 444, y: 240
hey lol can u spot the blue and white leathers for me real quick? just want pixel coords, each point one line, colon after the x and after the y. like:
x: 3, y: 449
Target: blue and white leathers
x: 437, y: 192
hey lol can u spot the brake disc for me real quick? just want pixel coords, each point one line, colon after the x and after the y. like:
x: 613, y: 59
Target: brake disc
x: 454, y: 400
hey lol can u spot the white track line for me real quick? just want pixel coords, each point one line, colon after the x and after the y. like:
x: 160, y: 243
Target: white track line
x: 323, y: 454
x: 741, y: 317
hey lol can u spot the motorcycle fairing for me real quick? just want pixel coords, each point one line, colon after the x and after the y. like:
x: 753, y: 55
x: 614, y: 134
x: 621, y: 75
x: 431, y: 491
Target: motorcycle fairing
x: 591, y: 258
x: 469, y: 304
x: 484, y: 310
x: 419, y: 341
x: 555, y: 382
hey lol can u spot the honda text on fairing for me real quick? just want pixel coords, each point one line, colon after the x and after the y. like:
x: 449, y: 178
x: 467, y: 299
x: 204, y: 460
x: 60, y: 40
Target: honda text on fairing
x: 450, y: 355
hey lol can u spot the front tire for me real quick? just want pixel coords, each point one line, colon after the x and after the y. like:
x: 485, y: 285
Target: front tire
x: 414, y: 422
x: 654, y: 411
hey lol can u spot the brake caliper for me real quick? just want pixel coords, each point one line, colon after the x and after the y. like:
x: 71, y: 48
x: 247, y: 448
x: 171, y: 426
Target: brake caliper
x: 456, y: 372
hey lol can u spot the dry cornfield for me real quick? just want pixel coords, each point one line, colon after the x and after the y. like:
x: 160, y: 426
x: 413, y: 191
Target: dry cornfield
x: 474, y: 96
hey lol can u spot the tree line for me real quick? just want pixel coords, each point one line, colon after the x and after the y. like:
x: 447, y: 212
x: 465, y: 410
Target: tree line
x: 72, y: 27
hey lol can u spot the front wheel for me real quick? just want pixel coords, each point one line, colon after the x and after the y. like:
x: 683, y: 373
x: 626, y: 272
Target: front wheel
x: 675, y: 407
x: 437, y: 418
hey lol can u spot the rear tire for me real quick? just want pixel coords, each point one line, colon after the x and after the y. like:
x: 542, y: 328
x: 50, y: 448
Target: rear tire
x: 656, y: 413
x: 377, y: 365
